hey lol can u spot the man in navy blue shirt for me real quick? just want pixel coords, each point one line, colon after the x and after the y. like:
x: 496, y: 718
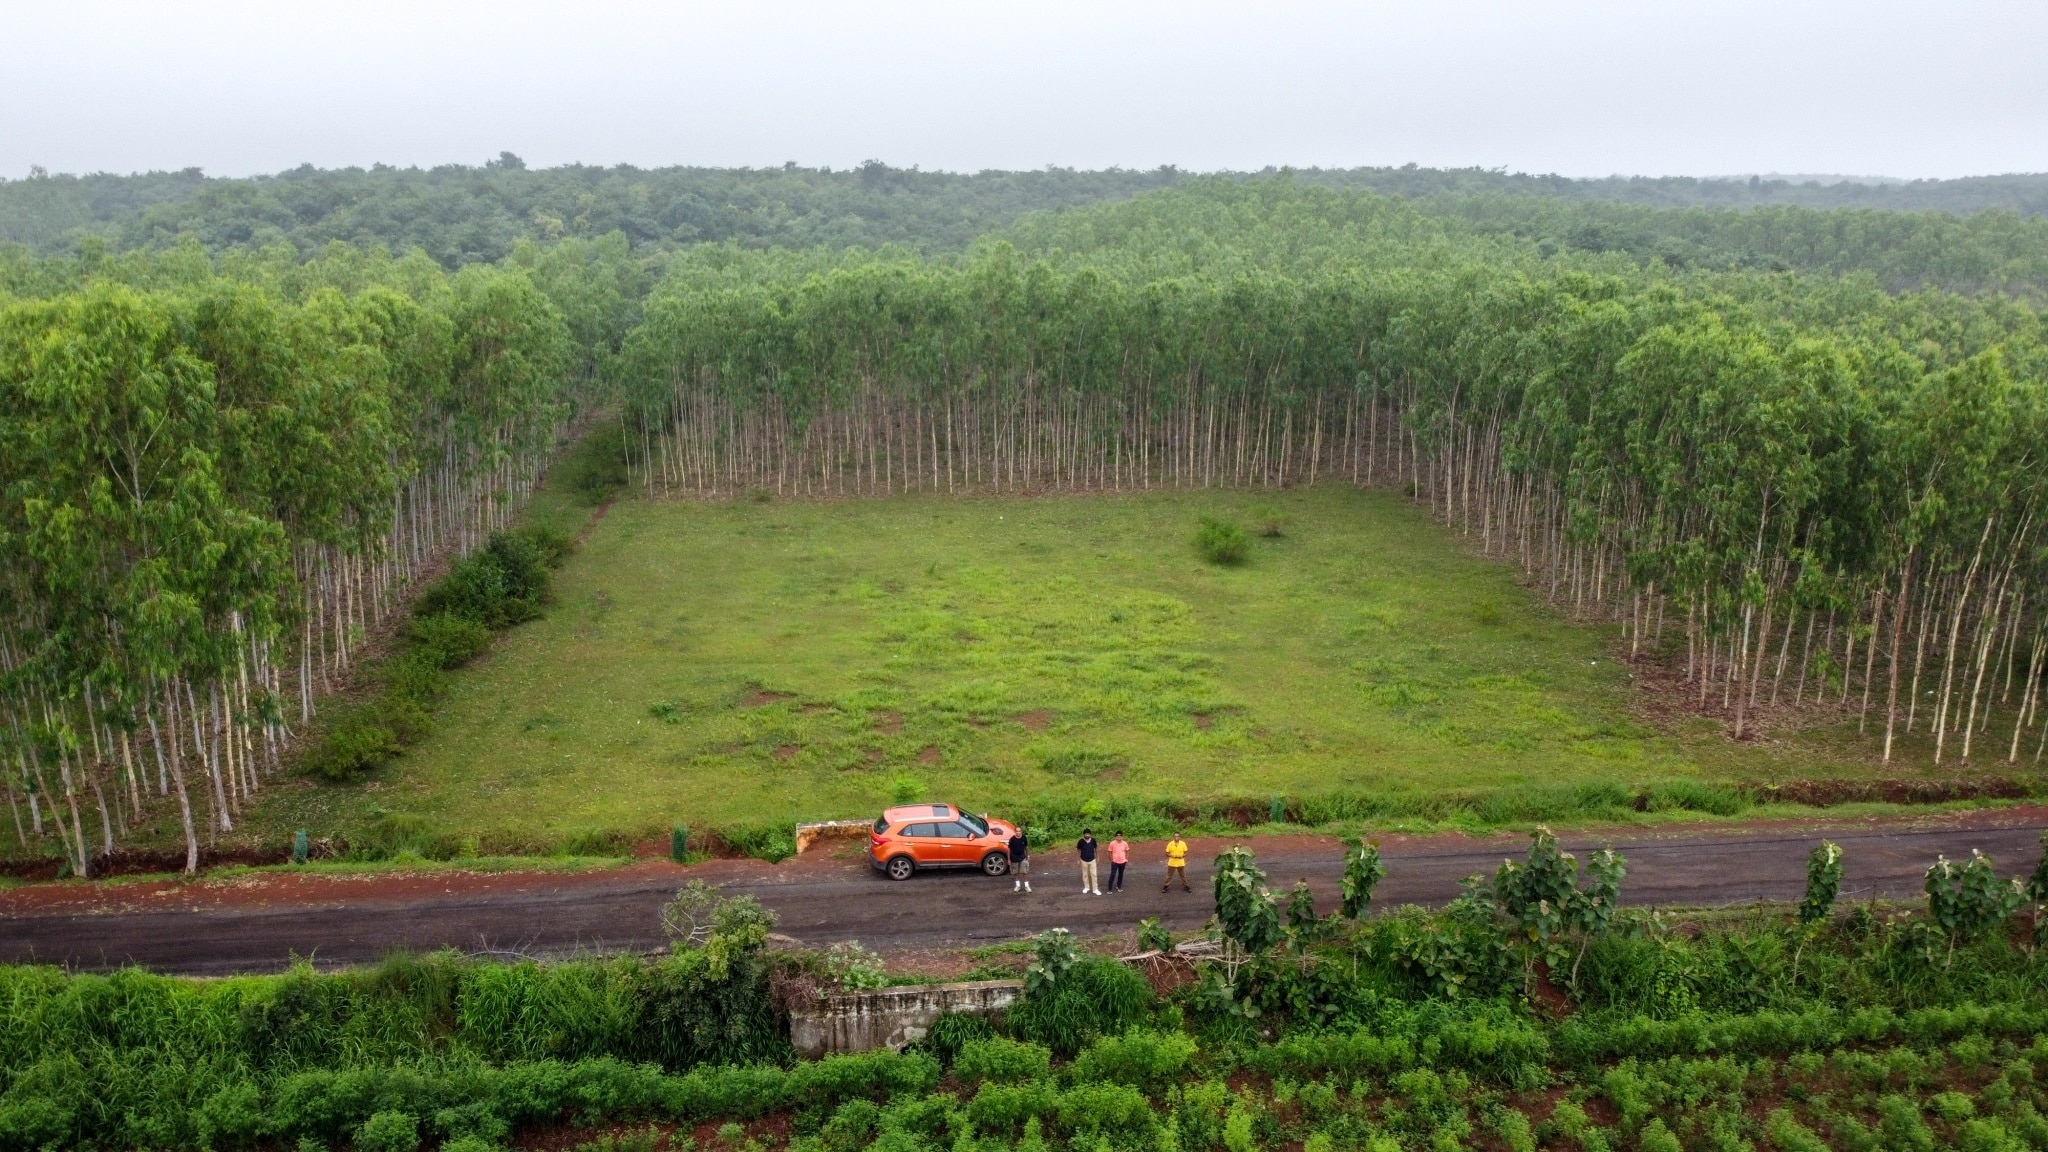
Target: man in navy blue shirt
x: 1020, y: 861
x: 1085, y: 849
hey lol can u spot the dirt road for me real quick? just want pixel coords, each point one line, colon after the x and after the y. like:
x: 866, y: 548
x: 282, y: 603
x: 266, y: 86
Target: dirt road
x: 259, y: 923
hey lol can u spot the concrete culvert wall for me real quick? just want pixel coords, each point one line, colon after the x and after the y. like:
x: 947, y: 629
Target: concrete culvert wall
x: 891, y: 1017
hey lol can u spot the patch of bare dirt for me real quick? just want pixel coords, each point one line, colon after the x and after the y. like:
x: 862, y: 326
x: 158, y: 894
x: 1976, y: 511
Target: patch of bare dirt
x: 929, y: 754
x: 596, y: 515
x: 1204, y: 721
x: 762, y: 697
x: 887, y: 723
x: 788, y: 751
x: 1036, y: 720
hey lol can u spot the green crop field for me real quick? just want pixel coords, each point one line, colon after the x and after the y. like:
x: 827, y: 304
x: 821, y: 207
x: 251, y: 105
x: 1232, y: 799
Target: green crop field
x: 720, y: 663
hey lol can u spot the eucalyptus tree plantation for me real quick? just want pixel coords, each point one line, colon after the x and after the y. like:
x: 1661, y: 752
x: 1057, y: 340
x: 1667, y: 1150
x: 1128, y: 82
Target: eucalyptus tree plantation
x: 211, y: 489
x: 1810, y: 494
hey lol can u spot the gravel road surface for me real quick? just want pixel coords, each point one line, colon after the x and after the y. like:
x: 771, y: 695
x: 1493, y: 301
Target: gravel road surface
x: 824, y: 897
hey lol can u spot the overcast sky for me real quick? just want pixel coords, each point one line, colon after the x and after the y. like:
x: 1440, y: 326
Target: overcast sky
x: 1582, y: 87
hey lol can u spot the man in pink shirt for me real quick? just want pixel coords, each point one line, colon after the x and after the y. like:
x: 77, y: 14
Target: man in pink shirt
x: 1119, y: 855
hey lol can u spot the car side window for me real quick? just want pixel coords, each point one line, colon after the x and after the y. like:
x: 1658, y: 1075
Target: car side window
x: 954, y: 830
x: 921, y: 830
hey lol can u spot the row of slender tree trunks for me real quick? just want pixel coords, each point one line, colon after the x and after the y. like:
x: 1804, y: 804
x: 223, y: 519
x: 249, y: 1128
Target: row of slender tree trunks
x: 1950, y: 644
x: 203, y: 749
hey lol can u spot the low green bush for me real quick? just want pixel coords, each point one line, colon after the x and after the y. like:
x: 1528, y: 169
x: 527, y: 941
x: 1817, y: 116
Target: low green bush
x: 1140, y: 1058
x: 1002, y: 1060
x: 502, y: 584
x: 448, y: 640
x: 1114, y: 1110
x: 770, y: 842
x: 354, y: 739
x: 1005, y: 1108
x: 1222, y: 542
x: 389, y: 1131
x: 1696, y: 796
x: 596, y: 467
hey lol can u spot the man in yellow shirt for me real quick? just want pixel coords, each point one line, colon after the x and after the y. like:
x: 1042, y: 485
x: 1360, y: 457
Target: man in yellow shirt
x: 1176, y: 863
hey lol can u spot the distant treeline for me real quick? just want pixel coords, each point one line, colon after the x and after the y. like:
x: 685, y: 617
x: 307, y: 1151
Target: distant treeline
x: 460, y: 214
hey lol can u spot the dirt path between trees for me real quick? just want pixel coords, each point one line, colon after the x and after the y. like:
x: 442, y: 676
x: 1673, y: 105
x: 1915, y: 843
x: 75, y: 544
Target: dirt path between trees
x: 259, y: 922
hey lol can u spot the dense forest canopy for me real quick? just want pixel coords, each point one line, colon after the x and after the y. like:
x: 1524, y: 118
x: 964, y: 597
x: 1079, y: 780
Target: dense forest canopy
x: 459, y: 214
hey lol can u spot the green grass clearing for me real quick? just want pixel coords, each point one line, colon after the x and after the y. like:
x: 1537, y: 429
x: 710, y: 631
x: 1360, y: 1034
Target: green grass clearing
x: 758, y: 662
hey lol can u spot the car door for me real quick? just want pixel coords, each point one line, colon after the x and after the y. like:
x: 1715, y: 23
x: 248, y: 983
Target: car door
x: 923, y: 843
x: 957, y: 843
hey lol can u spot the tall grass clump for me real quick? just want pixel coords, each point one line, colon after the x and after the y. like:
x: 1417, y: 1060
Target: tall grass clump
x: 1070, y: 997
x: 1222, y: 542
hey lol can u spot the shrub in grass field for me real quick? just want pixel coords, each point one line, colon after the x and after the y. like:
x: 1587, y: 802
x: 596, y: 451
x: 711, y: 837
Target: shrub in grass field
x: 448, y: 640
x: 357, y: 739
x: 503, y: 584
x: 1111, y: 1110
x: 1222, y: 542
x: 597, y: 465
x: 1154, y: 936
x: 952, y: 1032
x: 392, y: 834
x: 1683, y: 795
x: 1082, y: 762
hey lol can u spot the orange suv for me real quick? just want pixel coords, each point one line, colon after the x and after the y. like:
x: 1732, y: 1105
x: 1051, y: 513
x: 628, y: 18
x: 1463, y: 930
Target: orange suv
x: 937, y: 836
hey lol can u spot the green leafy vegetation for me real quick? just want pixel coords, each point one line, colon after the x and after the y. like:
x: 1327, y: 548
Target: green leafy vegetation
x: 1879, y: 1029
x: 1221, y: 542
x: 1948, y: 232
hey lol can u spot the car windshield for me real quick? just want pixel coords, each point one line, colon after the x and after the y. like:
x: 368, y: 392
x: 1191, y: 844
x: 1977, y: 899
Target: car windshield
x: 974, y: 824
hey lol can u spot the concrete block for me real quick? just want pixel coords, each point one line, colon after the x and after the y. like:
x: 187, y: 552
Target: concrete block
x: 891, y: 1017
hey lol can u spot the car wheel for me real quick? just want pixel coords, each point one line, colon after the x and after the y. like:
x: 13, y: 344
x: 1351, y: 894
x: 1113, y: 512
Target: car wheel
x: 900, y: 867
x: 995, y: 863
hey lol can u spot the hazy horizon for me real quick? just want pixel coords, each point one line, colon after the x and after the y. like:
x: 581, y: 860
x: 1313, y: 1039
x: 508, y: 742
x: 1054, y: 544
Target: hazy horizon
x: 1821, y: 178
x: 1583, y: 88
